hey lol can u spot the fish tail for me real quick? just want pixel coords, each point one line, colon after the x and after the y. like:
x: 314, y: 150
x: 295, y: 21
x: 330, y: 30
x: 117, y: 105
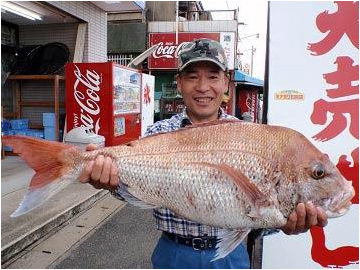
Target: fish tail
x: 53, y: 163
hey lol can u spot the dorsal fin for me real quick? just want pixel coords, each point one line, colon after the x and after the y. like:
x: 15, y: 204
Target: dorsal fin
x: 213, y: 123
x: 207, y: 124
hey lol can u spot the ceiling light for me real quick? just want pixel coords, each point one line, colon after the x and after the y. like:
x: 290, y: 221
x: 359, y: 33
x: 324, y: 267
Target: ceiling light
x: 21, y: 11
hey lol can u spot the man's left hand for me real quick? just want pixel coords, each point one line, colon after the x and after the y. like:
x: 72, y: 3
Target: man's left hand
x: 303, y: 218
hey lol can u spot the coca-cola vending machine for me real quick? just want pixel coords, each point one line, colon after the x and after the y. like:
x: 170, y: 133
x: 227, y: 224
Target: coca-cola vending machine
x: 108, y: 99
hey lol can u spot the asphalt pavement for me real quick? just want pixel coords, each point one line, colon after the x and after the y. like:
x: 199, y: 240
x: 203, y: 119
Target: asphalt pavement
x: 126, y: 240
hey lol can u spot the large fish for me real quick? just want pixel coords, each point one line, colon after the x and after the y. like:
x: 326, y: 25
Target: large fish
x: 228, y: 174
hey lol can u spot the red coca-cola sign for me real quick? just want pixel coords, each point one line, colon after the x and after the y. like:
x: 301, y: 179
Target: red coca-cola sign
x: 165, y: 57
x: 86, y: 92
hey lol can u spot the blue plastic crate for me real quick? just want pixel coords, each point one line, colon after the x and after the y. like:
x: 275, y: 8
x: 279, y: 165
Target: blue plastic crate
x: 20, y: 124
x: 49, y: 119
x: 8, y: 132
x: 8, y: 148
x: 5, y: 125
x: 23, y: 132
x: 4, y: 133
x: 36, y: 133
x: 49, y: 133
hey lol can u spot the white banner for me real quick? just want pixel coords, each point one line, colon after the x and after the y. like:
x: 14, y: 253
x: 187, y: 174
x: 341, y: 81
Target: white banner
x: 227, y: 41
x: 147, y: 101
x: 314, y: 88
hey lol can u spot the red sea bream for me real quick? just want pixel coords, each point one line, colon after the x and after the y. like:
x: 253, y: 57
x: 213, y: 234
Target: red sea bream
x: 228, y: 174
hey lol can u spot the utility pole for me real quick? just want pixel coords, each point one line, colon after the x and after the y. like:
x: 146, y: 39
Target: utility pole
x: 253, y: 50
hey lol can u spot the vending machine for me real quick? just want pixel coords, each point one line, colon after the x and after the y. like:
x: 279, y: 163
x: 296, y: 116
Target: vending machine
x: 109, y: 100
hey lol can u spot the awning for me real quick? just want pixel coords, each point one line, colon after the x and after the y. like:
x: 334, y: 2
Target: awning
x: 244, y: 78
x: 120, y: 6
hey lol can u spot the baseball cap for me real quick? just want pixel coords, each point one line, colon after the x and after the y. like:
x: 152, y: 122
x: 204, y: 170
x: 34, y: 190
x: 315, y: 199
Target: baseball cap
x: 202, y: 50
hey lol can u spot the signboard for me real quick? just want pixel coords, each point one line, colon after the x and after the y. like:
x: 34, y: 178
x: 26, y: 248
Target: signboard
x: 314, y: 88
x: 147, y: 102
x: 248, y: 104
x: 165, y: 57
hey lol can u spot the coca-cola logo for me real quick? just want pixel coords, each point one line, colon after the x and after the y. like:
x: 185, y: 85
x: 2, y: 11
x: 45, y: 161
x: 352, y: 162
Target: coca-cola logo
x: 168, y: 50
x: 86, y: 94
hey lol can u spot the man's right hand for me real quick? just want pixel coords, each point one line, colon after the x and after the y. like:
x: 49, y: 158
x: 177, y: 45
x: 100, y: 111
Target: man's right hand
x: 101, y: 173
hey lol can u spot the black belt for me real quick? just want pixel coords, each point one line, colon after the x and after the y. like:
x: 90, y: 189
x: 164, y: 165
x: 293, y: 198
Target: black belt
x: 197, y: 243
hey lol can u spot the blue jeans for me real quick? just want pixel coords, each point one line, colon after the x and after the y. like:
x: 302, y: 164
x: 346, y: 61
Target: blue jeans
x: 171, y: 255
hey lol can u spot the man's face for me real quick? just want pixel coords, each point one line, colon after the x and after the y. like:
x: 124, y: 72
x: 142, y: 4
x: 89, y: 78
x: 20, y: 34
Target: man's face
x: 202, y: 86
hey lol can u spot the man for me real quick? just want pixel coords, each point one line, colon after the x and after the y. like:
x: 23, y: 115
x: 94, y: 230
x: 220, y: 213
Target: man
x: 202, y: 80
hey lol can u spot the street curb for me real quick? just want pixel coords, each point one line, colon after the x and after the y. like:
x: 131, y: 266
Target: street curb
x: 19, y: 244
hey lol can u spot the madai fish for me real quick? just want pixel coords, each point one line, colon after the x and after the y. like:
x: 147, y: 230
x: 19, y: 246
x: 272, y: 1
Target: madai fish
x: 229, y: 174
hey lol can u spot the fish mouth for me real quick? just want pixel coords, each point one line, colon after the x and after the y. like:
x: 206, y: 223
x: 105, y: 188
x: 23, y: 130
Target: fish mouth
x: 340, y: 205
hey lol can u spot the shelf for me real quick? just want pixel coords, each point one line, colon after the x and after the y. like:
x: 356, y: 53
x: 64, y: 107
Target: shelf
x: 41, y: 104
x: 14, y: 114
x: 18, y: 79
x: 36, y: 126
x: 35, y: 77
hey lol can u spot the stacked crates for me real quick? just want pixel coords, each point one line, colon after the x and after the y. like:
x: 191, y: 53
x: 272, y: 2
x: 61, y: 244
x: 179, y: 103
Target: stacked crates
x: 19, y: 127
x: 49, y: 126
x: 6, y: 130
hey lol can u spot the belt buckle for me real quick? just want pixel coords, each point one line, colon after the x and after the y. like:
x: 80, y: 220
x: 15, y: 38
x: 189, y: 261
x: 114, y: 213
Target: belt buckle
x: 203, y: 243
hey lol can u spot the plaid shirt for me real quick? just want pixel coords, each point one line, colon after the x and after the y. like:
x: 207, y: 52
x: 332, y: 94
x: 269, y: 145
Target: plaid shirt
x: 166, y: 220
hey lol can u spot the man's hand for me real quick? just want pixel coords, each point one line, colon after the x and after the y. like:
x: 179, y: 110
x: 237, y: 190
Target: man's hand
x: 101, y: 172
x: 303, y: 218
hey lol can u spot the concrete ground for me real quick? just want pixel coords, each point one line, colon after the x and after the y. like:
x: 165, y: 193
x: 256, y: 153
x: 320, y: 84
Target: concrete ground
x: 17, y: 233
x: 58, y: 245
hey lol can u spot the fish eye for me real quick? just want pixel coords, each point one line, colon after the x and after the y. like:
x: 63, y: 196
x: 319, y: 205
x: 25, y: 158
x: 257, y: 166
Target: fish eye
x: 318, y: 171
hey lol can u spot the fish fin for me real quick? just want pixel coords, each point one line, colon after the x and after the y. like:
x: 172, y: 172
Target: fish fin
x: 214, y: 123
x: 34, y: 198
x: 211, y: 123
x: 51, y: 162
x: 242, y: 181
x: 228, y: 241
x: 125, y: 193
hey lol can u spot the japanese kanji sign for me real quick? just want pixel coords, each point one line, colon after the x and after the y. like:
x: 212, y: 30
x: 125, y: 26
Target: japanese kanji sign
x: 314, y: 50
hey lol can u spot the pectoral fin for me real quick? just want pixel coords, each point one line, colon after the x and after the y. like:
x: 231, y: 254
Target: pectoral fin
x: 253, y: 193
x: 229, y: 240
x: 126, y: 193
